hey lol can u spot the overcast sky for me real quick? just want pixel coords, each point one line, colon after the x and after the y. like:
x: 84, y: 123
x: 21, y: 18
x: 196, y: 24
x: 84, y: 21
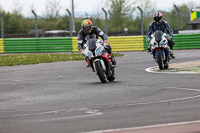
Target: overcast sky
x: 81, y: 6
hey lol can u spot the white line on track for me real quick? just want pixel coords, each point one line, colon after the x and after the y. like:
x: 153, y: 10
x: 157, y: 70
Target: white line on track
x: 158, y: 125
x: 96, y: 112
x: 150, y: 69
x: 188, y: 89
x: 88, y: 113
x: 157, y: 102
x: 47, y: 112
x: 71, y: 117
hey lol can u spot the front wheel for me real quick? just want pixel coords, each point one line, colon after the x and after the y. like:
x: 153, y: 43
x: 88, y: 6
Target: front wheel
x: 160, y: 60
x: 100, y: 72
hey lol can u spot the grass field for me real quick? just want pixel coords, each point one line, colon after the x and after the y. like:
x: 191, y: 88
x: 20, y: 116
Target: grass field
x: 25, y: 59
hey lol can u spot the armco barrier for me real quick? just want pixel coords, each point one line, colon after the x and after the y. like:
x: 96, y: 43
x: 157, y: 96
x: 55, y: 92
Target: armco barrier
x: 68, y: 44
x: 37, y: 45
x: 187, y: 41
x: 127, y: 43
x: 1, y: 46
x: 74, y: 44
x: 120, y: 43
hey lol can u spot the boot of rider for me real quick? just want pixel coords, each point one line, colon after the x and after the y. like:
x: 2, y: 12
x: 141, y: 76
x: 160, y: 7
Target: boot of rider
x: 113, y: 59
x: 171, y: 44
x: 109, y: 50
x: 172, y: 54
x: 149, y: 49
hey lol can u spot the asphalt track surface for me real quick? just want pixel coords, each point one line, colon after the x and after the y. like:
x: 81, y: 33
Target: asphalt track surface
x: 67, y: 97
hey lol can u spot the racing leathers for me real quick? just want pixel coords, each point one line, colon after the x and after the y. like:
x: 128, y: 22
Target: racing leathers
x: 163, y: 25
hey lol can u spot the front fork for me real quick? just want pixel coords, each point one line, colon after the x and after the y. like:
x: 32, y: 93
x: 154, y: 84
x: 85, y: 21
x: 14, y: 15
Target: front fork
x: 102, y: 64
x: 155, y: 53
x: 107, y: 68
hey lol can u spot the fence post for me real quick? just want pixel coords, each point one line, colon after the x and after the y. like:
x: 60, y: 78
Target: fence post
x: 106, y: 21
x: 36, y: 24
x: 70, y: 22
x: 142, y: 24
x: 73, y: 17
x: 178, y: 17
x: 2, y: 26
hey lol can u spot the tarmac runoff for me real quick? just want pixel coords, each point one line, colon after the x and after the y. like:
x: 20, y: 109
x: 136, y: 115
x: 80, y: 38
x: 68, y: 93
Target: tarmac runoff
x: 191, y: 67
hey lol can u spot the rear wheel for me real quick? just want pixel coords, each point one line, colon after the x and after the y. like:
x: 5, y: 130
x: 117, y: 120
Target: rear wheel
x: 100, y: 72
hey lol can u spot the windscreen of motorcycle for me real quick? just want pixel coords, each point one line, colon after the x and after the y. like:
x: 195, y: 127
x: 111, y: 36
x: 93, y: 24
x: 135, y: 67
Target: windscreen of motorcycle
x: 91, y: 36
x: 158, y: 35
x: 92, y: 44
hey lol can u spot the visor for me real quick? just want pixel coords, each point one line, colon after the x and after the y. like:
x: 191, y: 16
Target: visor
x: 87, y: 28
x: 157, y: 19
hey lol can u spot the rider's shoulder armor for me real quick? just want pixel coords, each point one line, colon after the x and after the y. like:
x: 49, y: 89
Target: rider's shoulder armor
x: 164, y: 21
x: 81, y: 32
x: 152, y: 23
x: 94, y: 30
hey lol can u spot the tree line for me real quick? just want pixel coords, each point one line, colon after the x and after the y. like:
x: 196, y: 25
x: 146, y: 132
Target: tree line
x: 120, y: 14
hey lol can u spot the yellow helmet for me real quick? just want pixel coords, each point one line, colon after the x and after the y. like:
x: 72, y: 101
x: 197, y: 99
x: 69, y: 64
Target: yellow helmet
x: 87, y: 26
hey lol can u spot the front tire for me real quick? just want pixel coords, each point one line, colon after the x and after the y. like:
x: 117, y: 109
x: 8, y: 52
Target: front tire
x: 160, y: 60
x: 100, y: 72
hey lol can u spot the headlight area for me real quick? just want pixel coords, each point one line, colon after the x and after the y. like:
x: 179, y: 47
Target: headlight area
x: 163, y: 42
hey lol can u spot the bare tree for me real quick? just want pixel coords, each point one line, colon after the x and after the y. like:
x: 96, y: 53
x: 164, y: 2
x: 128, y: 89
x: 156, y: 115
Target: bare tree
x: 1, y: 9
x: 191, y: 4
x: 52, y: 9
x: 120, y: 11
x: 148, y: 9
x: 17, y: 8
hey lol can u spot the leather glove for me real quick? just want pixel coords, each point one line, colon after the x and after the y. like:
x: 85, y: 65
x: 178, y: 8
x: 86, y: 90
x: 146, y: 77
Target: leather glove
x: 148, y: 40
x: 82, y: 52
x: 106, y: 44
x: 170, y: 38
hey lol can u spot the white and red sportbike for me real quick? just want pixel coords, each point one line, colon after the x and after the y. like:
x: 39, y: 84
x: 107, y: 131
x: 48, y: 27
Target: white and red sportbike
x: 99, y: 60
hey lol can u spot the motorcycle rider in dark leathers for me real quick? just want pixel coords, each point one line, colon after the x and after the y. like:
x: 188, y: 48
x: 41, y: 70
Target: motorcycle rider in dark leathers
x: 89, y: 29
x: 159, y: 24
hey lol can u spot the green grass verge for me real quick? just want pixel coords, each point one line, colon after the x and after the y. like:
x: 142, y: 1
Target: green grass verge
x: 25, y: 59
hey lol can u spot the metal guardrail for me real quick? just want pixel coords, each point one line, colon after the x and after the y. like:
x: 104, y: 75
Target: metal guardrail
x: 187, y: 41
x: 120, y: 43
x: 69, y: 44
x: 1, y: 46
x: 34, y: 45
x: 127, y: 43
